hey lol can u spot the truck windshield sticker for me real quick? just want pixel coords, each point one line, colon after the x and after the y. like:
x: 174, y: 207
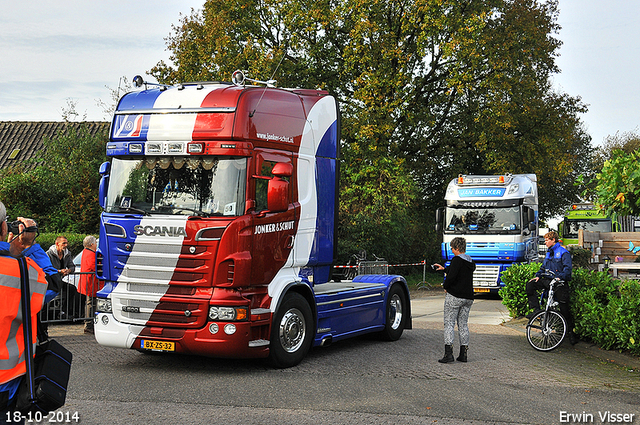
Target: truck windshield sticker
x: 130, y: 126
x: 481, y: 192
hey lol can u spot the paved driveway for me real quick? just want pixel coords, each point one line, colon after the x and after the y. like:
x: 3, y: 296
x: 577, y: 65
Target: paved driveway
x: 486, y: 310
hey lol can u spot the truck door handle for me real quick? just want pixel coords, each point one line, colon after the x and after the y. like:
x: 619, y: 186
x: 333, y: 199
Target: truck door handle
x: 289, y: 242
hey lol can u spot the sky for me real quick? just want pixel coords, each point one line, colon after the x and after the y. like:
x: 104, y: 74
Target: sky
x: 53, y: 51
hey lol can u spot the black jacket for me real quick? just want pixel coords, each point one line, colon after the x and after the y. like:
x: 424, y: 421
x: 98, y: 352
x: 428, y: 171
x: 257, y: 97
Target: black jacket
x: 459, y: 277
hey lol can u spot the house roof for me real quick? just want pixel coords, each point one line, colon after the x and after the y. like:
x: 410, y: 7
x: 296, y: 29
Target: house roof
x: 22, y: 140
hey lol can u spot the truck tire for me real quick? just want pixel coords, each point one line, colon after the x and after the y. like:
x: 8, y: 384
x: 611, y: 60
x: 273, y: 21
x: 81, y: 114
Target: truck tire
x: 291, y: 332
x: 396, y: 314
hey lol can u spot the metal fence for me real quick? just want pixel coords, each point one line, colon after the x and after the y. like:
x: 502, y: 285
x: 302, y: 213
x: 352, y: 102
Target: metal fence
x: 69, y: 305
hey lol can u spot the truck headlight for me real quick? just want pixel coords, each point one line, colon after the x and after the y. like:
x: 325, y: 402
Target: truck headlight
x: 227, y: 314
x: 103, y: 305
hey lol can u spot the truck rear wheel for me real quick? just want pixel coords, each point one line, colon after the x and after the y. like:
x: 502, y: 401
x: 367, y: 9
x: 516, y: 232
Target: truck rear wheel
x: 396, y: 314
x: 291, y: 332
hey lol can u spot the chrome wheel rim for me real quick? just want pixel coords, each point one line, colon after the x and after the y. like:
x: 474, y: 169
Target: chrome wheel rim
x: 292, y: 330
x: 395, y: 311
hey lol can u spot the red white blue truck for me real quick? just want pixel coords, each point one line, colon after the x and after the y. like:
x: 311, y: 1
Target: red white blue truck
x: 218, y: 233
x: 498, y: 217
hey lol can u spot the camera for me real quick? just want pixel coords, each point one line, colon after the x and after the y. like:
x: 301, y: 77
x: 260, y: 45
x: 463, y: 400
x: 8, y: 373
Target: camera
x: 434, y: 267
x: 14, y: 227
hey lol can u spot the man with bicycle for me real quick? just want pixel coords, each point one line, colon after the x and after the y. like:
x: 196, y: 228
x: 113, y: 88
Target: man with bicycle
x: 558, y: 262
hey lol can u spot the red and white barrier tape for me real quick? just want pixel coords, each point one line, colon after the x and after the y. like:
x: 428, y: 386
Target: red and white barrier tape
x: 388, y: 265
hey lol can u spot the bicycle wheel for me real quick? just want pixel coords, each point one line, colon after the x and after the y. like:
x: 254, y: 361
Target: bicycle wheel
x: 545, y: 335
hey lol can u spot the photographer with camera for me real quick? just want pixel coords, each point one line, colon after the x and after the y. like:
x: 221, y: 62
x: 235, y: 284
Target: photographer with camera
x: 23, y: 243
x: 21, y: 236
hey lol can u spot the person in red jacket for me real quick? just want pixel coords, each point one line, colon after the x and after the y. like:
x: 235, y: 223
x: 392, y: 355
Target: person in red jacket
x: 458, y: 284
x: 89, y: 284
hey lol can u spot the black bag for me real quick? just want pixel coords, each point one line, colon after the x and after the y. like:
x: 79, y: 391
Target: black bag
x: 44, y: 387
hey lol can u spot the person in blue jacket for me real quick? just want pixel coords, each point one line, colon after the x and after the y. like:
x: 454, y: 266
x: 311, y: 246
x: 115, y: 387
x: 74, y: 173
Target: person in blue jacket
x: 558, y: 262
x: 24, y: 244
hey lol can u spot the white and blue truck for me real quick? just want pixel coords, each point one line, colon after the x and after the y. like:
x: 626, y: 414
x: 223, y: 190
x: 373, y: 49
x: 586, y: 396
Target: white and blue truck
x: 498, y: 217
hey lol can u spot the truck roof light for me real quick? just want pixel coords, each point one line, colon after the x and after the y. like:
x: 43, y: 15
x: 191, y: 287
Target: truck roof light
x: 176, y: 147
x: 154, y: 148
x: 135, y: 148
x: 501, y: 179
x: 195, y: 148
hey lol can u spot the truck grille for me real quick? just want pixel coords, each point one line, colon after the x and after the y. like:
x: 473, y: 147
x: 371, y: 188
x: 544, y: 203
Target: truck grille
x: 157, y: 285
x: 486, y: 276
x: 162, y: 313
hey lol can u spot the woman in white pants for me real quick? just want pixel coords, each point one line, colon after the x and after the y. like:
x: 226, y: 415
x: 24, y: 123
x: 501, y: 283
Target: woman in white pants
x: 458, y: 285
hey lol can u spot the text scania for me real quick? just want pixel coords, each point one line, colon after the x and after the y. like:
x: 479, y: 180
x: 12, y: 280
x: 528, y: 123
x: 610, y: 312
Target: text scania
x: 274, y: 227
x: 159, y: 231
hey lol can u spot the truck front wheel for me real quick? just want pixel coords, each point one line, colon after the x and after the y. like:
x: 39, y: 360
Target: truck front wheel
x: 396, y: 314
x: 291, y: 332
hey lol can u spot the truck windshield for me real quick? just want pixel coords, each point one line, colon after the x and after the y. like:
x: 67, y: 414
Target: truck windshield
x: 483, y: 220
x: 207, y: 186
x: 571, y: 227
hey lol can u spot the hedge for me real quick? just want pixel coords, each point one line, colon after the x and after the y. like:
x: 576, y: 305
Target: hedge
x: 606, y: 310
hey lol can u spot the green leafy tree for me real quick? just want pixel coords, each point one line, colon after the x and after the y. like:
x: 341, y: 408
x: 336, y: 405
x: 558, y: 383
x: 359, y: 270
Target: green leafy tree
x: 442, y: 86
x: 61, y: 193
x: 617, y: 186
x: 627, y: 142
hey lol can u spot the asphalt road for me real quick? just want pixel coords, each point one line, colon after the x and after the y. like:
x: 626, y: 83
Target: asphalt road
x: 360, y: 381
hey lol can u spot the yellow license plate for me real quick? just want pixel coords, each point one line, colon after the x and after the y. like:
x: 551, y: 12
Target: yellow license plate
x: 149, y: 344
x: 481, y: 290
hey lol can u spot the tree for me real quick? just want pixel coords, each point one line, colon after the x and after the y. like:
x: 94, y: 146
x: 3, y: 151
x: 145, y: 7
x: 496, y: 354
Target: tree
x: 441, y: 86
x: 617, y: 187
x: 61, y: 192
x: 627, y: 142
x: 108, y: 108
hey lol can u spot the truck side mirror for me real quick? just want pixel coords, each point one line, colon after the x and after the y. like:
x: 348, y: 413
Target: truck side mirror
x: 278, y: 190
x: 105, y: 168
x: 282, y: 169
x: 439, y: 220
x: 278, y: 195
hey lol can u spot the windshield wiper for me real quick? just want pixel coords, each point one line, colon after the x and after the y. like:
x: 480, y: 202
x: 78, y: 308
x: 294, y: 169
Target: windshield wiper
x: 193, y: 210
x: 133, y: 209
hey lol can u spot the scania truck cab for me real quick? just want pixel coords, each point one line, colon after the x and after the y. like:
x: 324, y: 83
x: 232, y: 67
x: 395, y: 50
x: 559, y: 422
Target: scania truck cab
x: 218, y: 232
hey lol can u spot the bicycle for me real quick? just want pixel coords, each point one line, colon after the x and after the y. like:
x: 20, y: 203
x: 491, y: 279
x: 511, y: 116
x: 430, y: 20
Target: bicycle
x: 547, y: 329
